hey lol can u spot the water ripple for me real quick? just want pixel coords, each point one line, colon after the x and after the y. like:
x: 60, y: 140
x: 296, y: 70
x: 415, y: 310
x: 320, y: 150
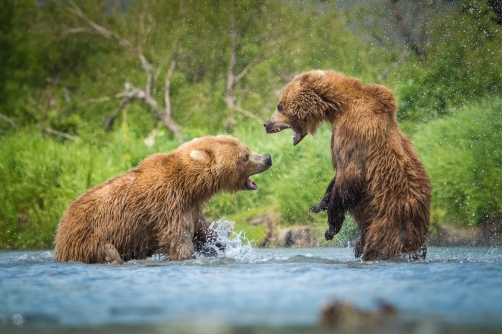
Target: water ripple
x: 246, y: 286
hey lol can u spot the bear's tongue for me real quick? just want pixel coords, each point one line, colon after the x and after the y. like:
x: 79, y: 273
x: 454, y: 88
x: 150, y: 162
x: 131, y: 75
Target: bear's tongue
x: 250, y: 185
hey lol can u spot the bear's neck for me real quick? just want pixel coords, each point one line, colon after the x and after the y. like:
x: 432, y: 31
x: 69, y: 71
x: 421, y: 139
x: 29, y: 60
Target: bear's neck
x: 198, y: 186
x: 336, y: 90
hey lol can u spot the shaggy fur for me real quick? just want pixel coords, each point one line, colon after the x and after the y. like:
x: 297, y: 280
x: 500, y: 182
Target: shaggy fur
x: 379, y: 179
x: 157, y: 206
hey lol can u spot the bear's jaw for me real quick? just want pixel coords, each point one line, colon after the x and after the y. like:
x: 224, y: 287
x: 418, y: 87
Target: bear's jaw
x: 270, y: 127
x: 297, y: 138
x: 250, y: 185
x: 276, y: 128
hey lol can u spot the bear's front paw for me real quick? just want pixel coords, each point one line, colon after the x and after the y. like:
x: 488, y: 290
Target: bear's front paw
x: 329, y: 235
x: 209, y: 251
x: 212, y: 250
x: 221, y: 245
x: 317, y: 208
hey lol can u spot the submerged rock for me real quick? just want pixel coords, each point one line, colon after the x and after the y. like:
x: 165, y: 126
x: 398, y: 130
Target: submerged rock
x: 344, y: 316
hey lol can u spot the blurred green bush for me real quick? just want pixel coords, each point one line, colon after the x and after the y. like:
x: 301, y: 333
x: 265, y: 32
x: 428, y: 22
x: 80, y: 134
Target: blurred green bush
x: 463, y: 156
x: 51, y: 77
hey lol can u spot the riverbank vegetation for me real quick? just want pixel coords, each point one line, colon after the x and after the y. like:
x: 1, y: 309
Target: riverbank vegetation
x: 88, y: 90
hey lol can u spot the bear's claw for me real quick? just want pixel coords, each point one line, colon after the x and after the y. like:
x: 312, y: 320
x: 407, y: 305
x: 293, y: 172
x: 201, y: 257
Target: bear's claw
x: 317, y: 208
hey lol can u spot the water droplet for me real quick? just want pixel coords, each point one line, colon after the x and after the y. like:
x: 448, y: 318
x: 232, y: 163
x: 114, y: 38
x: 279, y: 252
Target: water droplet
x: 17, y: 319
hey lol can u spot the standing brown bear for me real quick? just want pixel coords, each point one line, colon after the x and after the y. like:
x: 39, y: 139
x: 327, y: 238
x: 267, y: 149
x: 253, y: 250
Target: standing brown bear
x: 379, y: 179
x: 157, y: 206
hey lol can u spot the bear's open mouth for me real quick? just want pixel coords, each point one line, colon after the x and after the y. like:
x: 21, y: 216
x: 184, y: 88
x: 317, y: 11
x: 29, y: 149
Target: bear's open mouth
x: 250, y: 185
x: 272, y: 128
x: 277, y: 128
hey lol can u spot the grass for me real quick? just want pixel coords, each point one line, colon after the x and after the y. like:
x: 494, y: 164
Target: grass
x: 42, y: 175
x: 463, y: 156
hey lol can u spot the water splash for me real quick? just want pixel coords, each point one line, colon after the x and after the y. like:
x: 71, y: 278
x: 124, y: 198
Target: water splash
x: 47, y: 256
x: 238, y: 246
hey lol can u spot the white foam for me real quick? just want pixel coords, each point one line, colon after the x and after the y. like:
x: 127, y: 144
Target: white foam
x: 47, y: 256
x: 238, y: 246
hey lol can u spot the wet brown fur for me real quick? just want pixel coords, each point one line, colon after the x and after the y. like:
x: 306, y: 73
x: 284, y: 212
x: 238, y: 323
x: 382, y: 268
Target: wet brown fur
x: 379, y: 179
x: 157, y: 206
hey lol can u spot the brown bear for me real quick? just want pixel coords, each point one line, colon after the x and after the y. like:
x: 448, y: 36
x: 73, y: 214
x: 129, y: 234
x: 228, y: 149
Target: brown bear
x: 157, y: 206
x: 379, y: 179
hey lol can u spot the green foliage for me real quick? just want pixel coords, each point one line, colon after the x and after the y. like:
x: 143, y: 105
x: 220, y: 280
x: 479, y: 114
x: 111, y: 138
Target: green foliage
x: 296, y: 181
x: 55, y: 74
x: 463, y: 53
x: 463, y: 156
x: 41, y: 176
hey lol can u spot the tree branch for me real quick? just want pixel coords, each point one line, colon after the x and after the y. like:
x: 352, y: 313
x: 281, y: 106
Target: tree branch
x: 496, y: 7
x: 77, y: 30
x: 258, y: 58
x: 8, y: 120
x: 135, y: 94
x: 232, y: 78
x: 404, y: 30
x: 167, y: 86
x: 144, y: 32
x: 247, y: 113
x: 75, y: 9
x: 400, y: 60
x: 229, y: 93
x: 59, y: 133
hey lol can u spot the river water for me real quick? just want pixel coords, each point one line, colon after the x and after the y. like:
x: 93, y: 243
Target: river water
x: 260, y: 290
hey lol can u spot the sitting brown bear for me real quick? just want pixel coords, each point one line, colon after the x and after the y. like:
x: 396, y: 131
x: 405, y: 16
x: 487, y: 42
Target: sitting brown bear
x: 157, y: 206
x: 379, y: 179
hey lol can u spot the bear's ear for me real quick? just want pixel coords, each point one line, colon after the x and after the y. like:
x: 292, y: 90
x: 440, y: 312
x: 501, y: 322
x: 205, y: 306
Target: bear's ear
x: 199, y: 156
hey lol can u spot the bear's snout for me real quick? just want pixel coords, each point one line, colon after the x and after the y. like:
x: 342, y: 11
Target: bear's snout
x: 270, y: 126
x: 260, y: 163
x: 265, y: 160
x: 268, y: 159
x: 273, y: 126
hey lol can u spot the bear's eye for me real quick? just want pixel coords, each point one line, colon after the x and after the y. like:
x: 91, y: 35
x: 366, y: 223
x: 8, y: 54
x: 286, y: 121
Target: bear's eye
x: 246, y: 158
x: 279, y: 108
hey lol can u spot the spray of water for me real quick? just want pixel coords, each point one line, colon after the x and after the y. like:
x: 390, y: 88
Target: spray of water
x: 238, y: 246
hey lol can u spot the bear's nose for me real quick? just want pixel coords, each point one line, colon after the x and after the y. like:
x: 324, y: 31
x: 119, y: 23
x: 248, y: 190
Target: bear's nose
x: 266, y: 123
x: 268, y: 159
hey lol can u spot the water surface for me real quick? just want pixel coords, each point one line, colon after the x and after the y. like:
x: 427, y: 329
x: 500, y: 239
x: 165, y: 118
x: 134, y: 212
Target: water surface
x: 247, y: 287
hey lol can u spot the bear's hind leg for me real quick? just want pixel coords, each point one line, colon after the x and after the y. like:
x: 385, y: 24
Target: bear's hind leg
x: 382, y: 242
x: 359, y: 246
x: 181, y: 252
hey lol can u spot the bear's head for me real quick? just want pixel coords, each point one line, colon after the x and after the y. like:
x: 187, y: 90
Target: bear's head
x: 300, y: 108
x: 223, y: 163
